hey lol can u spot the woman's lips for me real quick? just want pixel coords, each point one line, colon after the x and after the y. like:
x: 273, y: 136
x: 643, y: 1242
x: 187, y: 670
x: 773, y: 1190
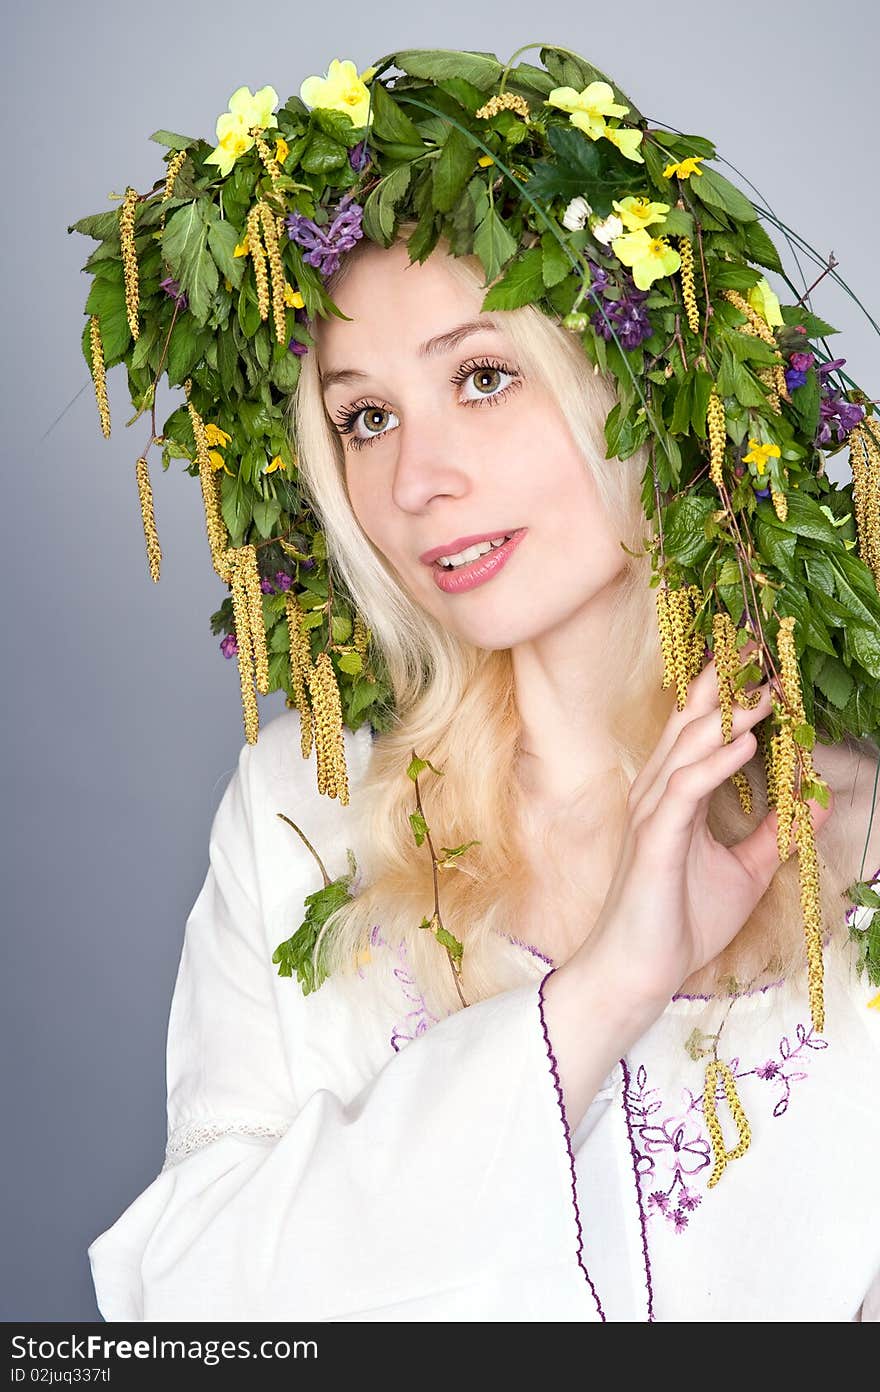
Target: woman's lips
x: 477, y: 572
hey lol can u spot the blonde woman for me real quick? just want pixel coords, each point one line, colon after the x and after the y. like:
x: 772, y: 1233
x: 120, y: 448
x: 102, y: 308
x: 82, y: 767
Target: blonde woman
x: 376, y: 1149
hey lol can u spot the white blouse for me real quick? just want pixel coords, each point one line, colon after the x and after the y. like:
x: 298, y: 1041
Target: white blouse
x: 331, y: 1157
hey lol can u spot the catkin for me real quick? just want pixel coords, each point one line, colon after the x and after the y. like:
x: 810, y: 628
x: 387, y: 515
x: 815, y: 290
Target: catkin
x: 717, y: 431
x: 129, y: 258
x: 864, y: 456
x: 772, y: 377
x: 151, y: 536
x: 257, y: 628
x: 258, y: 257
x: 279, y: 284
x: 99, y: 375
x: 218, y: 536
x: 688, y: 290
x: 808, y: 865
x: 722, y: 1155
x: 329, y: 739
x: 241, y: 615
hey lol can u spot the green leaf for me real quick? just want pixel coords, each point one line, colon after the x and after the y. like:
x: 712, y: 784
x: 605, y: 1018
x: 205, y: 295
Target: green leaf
x: 683, y: 535
x: 730, y: 275
x: 557, y: 260
x: 494, y: 244
x: 834, y: 681
x: 452, y: 169
x: 323, y: 154
x: 185, y: 348
x: 184, y: 246
x: 483, y: 70
x: 806, y: 517
x: 712, y: 188
x: 390, y: 121
x: 702, y: 389
x: 523, y: 282
x: 266, y: 512
x: 865, y: 645
x: 107, y: 299
x: 173, y: 141
x: 379, y: 209
x: 815, y: 327
x: 222, y: 241
x: 760, y: 248
x: 683, y: 406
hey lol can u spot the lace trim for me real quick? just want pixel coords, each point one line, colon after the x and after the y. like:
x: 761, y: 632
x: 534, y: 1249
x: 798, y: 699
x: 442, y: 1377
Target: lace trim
x: 194, y: 1135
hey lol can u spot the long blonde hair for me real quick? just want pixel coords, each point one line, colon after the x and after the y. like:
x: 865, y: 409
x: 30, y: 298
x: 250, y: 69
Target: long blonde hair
x: 455, y: 706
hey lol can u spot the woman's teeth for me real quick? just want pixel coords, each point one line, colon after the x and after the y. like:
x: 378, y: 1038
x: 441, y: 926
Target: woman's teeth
x: 461, y: 558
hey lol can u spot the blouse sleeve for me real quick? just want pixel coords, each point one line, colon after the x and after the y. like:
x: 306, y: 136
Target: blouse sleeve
x: 446, y: 1182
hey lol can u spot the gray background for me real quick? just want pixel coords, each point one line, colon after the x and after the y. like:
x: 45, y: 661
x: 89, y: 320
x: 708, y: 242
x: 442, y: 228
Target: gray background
x: 123, y: 719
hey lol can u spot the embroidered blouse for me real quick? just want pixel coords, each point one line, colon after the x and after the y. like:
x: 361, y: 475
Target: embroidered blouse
x: 347, y: 1155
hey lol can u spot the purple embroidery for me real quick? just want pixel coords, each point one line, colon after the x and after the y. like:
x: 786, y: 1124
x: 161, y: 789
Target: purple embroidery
x: 642, y: 1219
x: 561, y: 1100
x: 674, y: 1152
x: 420, y: 1018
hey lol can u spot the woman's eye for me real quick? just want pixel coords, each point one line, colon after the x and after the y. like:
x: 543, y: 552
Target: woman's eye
x: 372, y: 418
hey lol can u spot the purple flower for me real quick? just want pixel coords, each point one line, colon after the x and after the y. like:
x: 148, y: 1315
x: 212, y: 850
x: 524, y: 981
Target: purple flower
x: 325, y: 245
x: 229, y: 646
x: 598, y: 276
x: 678, y: 1220
x: 171, y: 288
x: 689, y: 1199
x: 359, y: 157
x: 768, y: 1070
x: 659, y: 1200
x: 833, y: 409
x: 628, y: 318
x: 795, y: 378
x: 266, y: 586
x: 801, y: 361
x: 283, y: 581
x: 762, y: 492
x: 300, y: 349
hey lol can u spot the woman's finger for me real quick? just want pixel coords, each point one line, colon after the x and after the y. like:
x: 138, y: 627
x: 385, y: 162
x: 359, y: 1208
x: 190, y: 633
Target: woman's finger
x: 697, y: 740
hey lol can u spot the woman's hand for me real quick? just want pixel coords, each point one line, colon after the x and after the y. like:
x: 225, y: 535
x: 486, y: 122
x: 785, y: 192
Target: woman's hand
x: 677, y: 896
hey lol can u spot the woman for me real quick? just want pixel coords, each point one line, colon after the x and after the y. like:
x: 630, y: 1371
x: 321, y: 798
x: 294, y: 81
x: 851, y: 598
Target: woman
x: 374, y: 1151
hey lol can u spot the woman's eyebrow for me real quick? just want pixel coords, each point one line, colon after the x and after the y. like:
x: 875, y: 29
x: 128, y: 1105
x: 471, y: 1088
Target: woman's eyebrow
x: 441, y: 343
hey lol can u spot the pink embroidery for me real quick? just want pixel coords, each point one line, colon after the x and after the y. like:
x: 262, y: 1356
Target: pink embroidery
x: 673, y: 1151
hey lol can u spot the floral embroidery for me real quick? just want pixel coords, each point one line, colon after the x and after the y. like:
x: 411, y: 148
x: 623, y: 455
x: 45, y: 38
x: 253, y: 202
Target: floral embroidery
x: 674, y: 1153
x: 420, y: 1018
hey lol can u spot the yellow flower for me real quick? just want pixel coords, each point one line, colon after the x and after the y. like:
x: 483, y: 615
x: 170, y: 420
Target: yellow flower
x: 277, y: 463
x: 215, y: 436
x: 626, y: 139
x: 648, y: 257
x: 639, y: 212
x: 242, y: 249
x: 762, y: 299
x: 218, y: 462
x: 874, y: 1003
x: 248, y: 111
x: 293, y: 298
x: 282, y: 149
x: 684, y: 168
x: 588, y: 109
x: 340, y: 90
x: 485, y: 160
x: 759, y: 454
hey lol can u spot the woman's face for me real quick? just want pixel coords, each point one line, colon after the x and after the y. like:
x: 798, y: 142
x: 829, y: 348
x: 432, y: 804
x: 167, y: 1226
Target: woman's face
x: 456, y: 441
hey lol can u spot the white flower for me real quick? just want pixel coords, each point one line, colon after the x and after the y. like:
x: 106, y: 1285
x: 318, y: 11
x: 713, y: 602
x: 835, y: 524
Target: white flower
x: 606, y: 230
x: 576, y: 214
